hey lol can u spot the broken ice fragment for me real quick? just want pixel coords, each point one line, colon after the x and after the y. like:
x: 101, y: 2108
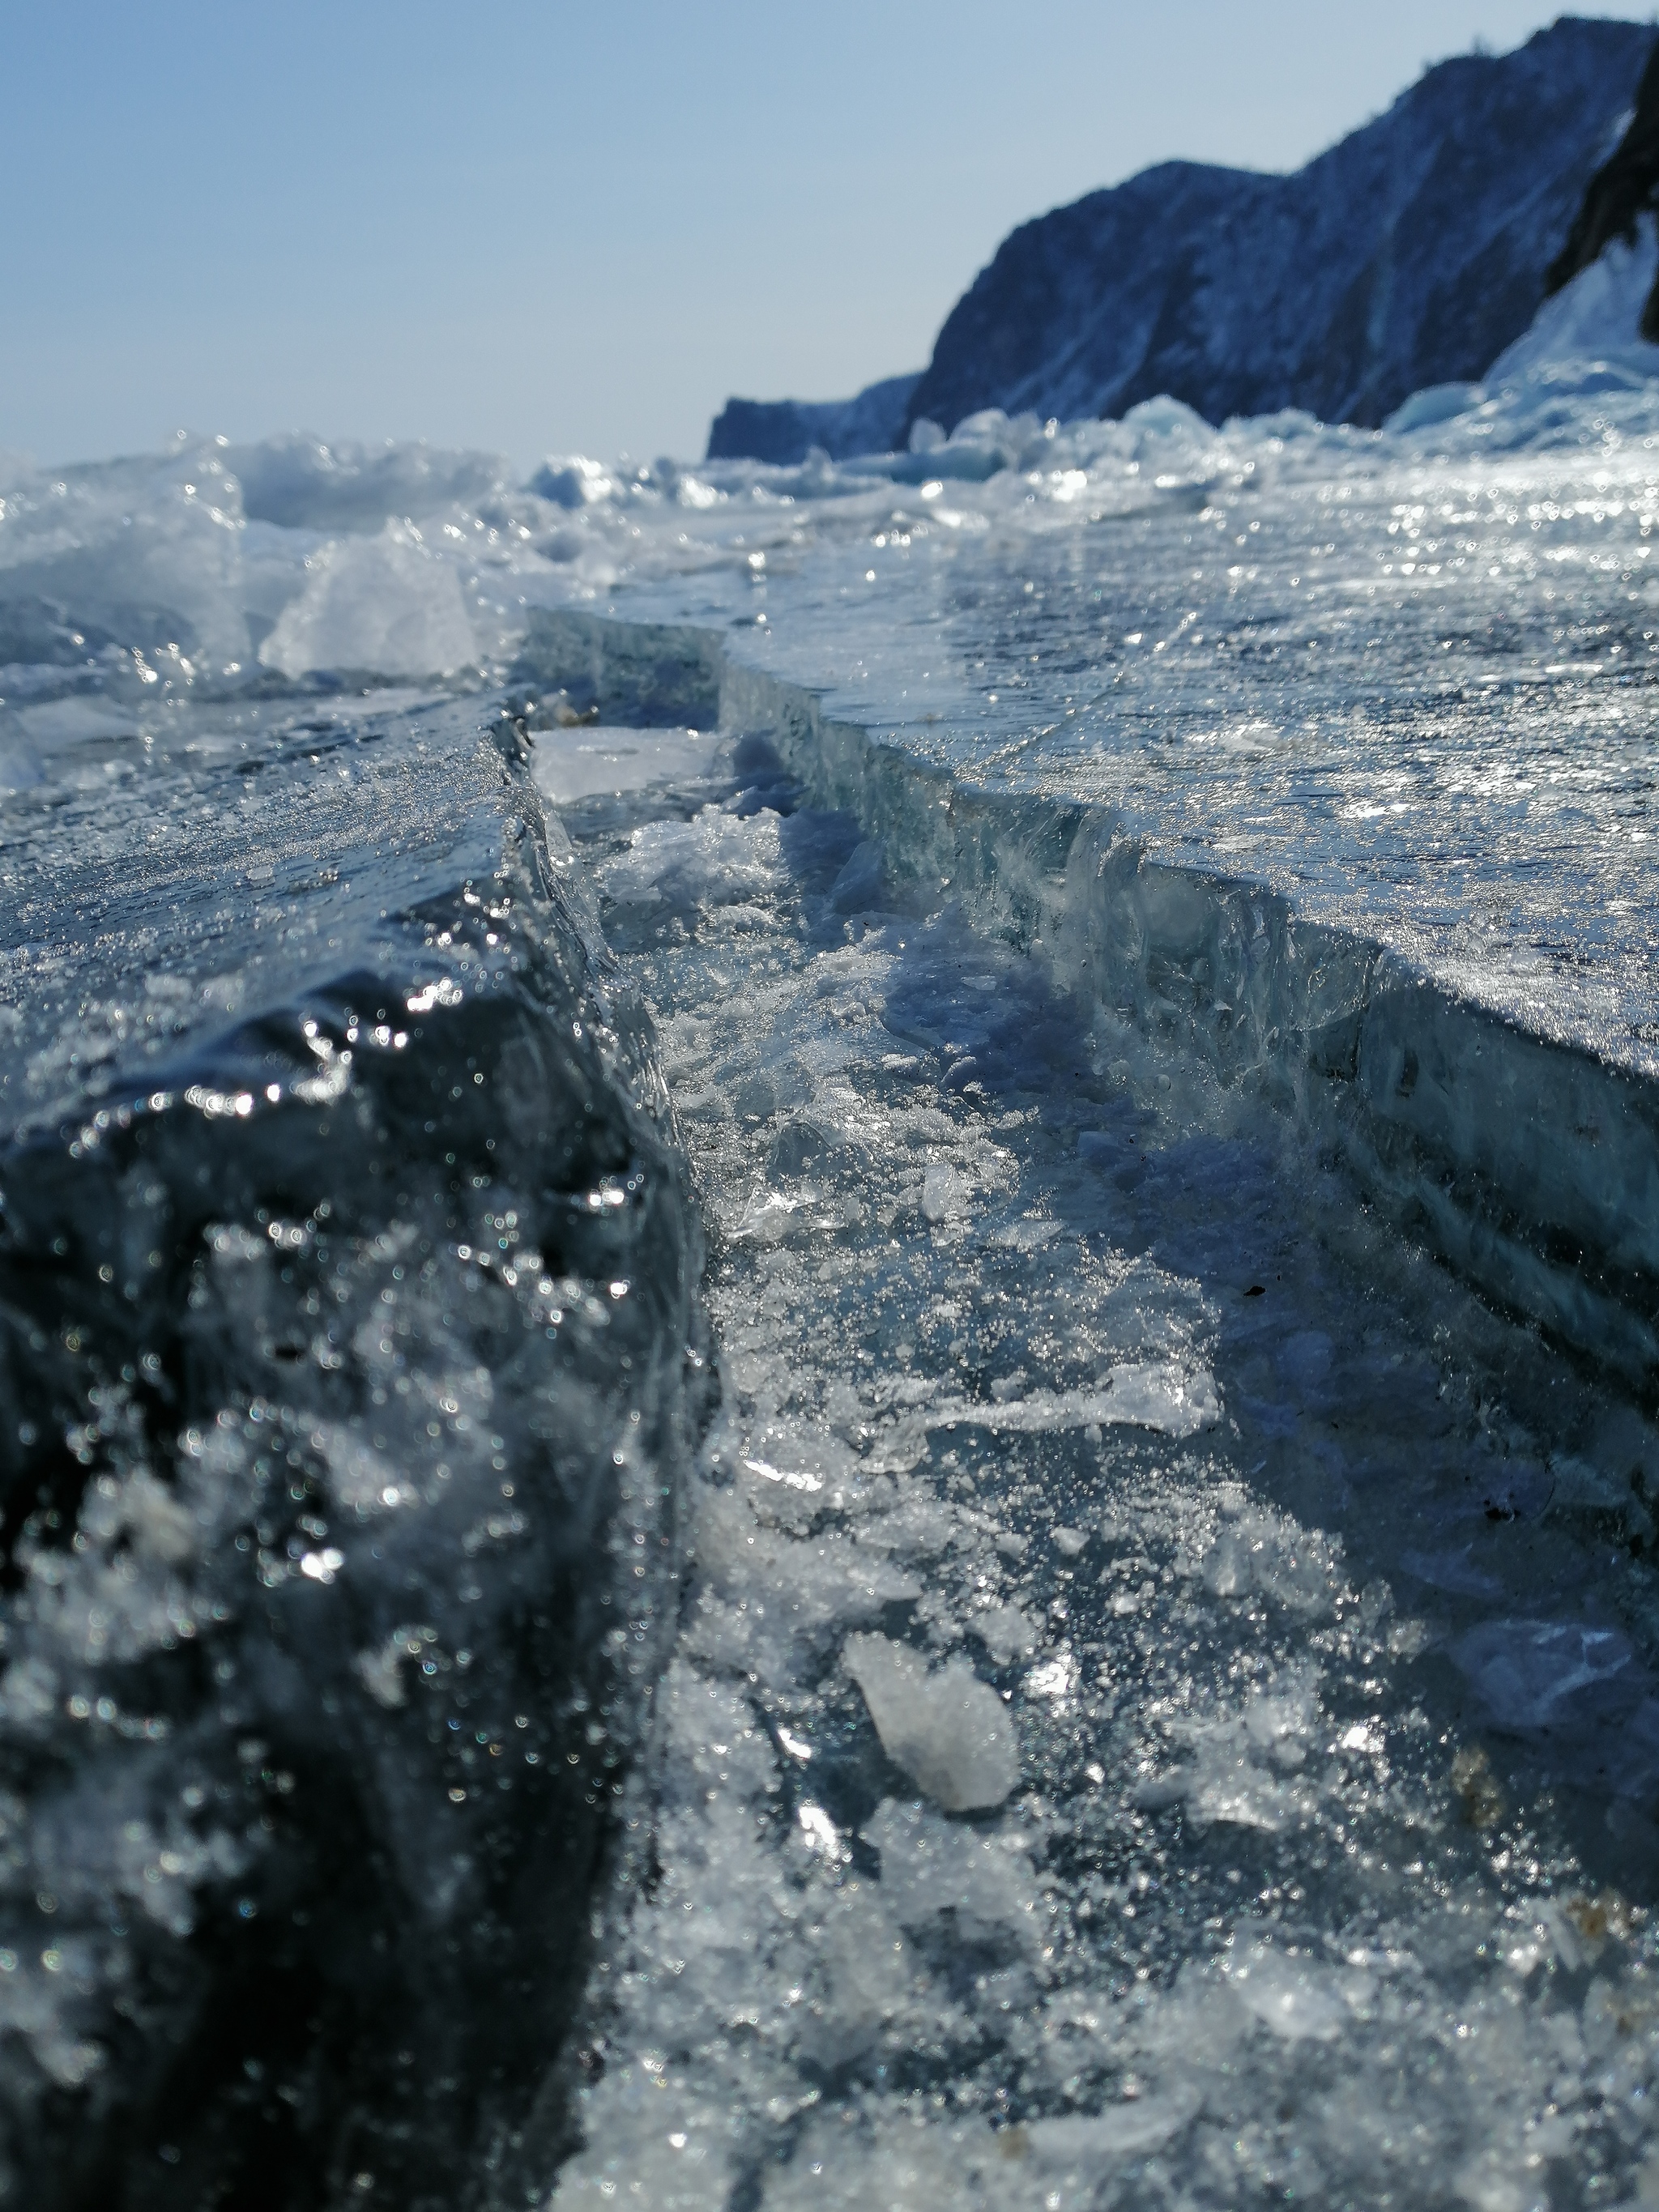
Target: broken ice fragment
x: 1005, y: 1633
x: 948, y: 1730
x: 1079, y: 2141
x: 944, y: 1194
x: 1299, y: 1999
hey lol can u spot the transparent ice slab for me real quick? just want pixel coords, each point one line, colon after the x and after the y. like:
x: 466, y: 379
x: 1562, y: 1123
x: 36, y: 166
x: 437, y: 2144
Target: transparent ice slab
x: 1411, y: 687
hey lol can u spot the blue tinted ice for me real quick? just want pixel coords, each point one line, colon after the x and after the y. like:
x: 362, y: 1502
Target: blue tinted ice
x: 1163, y: 1705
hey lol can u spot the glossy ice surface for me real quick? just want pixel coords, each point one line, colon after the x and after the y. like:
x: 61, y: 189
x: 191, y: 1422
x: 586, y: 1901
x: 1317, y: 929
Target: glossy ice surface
x: 1409, y: 678
x: 1167, y: 1708
x: 1163, y: 1710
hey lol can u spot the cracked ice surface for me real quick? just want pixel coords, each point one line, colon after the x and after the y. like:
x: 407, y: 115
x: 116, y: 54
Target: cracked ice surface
x: 1164, y: 1711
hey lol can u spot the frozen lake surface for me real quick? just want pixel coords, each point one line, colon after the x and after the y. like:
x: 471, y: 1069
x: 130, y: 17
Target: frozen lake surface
x: 1412, y: 686
x: 1402, y: 674
x: 1156, y: 1675
x: 1162, y: 1713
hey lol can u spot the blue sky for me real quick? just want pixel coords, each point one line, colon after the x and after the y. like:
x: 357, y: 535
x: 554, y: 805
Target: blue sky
x: 552, y: 227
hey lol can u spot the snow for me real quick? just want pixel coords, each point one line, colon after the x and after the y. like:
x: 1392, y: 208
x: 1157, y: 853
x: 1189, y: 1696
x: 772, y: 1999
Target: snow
x: 1593, y: 318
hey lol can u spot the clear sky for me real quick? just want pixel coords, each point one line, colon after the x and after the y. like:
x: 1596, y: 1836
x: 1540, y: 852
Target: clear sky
x: 537, y: 226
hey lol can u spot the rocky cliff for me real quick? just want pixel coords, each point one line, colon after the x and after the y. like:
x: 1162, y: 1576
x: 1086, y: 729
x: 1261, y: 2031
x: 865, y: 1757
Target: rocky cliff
x: 1620, y: 192
x: 786, y: 430
x: 1411, y: 253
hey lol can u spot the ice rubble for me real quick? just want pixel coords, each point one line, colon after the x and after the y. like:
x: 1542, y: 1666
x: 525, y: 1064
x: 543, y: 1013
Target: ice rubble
x: 1334, y: 1718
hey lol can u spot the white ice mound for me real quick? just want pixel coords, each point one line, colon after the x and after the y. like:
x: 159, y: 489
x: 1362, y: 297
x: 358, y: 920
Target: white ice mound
x: 384, y: 605
x: 948, y: 1731
x: 1592, y: 319
x: 300, y: 483
x: 146, y: 550
x: 1080, y: 2143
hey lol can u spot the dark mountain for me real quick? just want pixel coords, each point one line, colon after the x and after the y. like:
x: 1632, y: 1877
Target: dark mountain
x: 786, y: 430
x: 1411, y: 253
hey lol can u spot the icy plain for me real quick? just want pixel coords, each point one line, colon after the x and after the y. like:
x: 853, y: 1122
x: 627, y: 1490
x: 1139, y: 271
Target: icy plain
x: 1165, y: 1706
x: 1163, y: 1710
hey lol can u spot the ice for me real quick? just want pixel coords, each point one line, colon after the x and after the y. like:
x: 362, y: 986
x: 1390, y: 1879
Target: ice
x: 383, y: 606
x: 1535, y: 1674
x: 1161, y: 1707
x: 1300, y: 1999
x: 1081, y: 2148
x: 1289, y: 1887
x: 1312, y: 656
x: 144, y: 554
x: 348, y: 1359
x: 945, y: 1728
x: 584, y: 760
x: 1137, y: 612
x: 302, y: 482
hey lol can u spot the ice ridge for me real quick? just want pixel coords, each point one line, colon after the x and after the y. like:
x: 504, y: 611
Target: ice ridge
x: 1532, y: 1165
x: 349, y: 1370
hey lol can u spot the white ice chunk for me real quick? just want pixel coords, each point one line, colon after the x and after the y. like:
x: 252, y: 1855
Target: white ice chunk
x: 1005, y: 1631
x: 862, y: 1979
x: 1298, y: 1998
x: 387, y: 605
x: 1079, y: 2141
x: 1177, y: 1400
x: 944, y: 1194
x: 948, y: 1730
x: 714, y: 860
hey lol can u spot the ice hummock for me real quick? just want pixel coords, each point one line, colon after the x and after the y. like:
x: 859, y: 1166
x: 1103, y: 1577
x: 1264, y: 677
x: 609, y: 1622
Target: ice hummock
x: 348, y: 1360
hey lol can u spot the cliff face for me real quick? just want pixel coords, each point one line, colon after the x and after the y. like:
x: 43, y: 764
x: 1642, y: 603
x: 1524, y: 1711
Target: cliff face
x: 1620, y: 192
x: 786, y: 430
x: 1411, y: 253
